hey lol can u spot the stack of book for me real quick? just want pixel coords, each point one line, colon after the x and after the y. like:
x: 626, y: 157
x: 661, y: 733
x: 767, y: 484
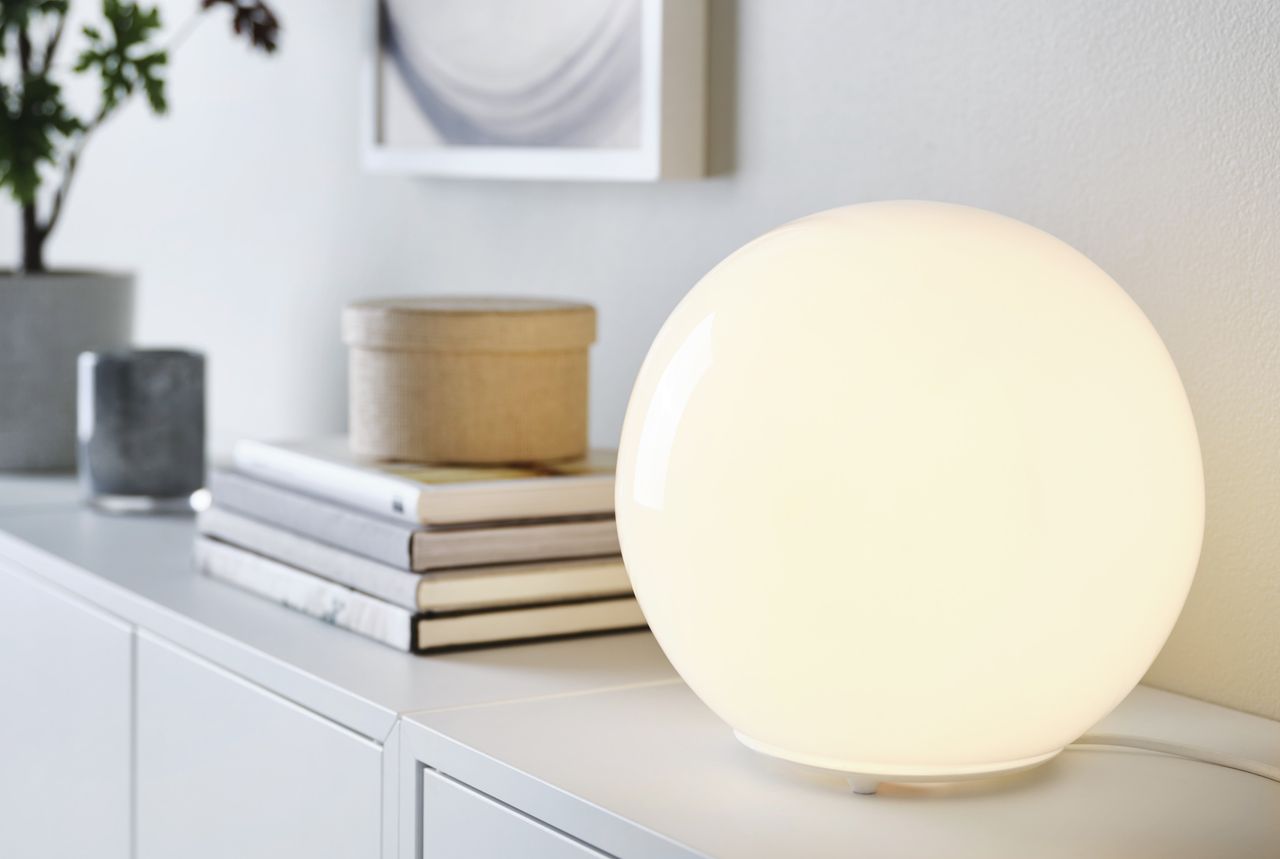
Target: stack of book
x: 420, y: 557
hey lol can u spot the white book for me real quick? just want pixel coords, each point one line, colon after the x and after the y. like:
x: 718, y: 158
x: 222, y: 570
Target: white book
x: 433, y: 494
x: 396, y: 626
x: 411, y: 546
x: 469, y: 588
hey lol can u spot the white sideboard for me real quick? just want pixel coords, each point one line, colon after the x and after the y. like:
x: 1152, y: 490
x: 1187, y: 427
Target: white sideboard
x: 65, y: 724
x: 150, y: 712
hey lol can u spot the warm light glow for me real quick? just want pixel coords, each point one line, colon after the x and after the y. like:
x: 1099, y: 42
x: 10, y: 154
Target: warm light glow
x: 909, y: 489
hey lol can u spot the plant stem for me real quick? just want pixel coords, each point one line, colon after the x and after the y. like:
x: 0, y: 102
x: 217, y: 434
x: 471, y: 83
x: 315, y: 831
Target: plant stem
x: 184, y: 32
x: 51, y: 47
x: 33, y: 234
x: 77, y: 148
x: 69, y: 173
x: 33, y: 237
x: 24, y: 53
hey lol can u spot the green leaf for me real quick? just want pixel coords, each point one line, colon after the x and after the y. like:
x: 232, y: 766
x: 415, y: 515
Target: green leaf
x: 34, y: 120
x: 148, y: 68
x: 124, y: 58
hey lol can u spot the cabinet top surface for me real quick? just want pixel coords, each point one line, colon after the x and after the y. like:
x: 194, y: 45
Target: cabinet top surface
x: 21, y: 491
x: 651, y: 771
x: 140, y: 568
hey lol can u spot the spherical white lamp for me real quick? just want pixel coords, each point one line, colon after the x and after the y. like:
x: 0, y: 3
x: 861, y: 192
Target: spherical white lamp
x: 910, y: 491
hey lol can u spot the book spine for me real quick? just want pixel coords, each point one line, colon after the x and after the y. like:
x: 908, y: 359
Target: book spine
x: 386, y: 583
x: 353, y: 487
x: 514, y: 544
x: 387, y: 541
x: 323, y: 600
x: 434, y: 633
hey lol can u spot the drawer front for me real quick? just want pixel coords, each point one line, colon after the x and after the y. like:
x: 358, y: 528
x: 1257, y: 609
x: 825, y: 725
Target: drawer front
x: 459, y: 822
x: 226, y: 768
x: 65, y: 675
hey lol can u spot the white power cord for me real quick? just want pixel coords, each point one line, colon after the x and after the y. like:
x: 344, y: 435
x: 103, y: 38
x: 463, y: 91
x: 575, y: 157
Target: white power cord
x: 1192, y: 753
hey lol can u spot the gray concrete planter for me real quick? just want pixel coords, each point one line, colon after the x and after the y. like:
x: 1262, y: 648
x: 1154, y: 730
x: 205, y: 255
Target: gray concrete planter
x: 46, y: 320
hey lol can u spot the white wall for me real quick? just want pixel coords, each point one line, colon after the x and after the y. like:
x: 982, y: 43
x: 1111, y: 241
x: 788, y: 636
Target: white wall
x: 1146, y: 134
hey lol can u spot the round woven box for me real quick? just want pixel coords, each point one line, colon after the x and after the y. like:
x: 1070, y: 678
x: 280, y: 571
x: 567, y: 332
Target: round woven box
x: 468, y: 380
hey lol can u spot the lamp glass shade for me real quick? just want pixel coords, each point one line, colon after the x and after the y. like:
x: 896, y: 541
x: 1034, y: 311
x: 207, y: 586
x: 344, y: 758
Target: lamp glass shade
x: 909, y: 490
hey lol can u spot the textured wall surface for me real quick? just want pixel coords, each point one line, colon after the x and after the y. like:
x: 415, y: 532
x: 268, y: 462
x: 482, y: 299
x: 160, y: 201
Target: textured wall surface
x: 1146, y: 134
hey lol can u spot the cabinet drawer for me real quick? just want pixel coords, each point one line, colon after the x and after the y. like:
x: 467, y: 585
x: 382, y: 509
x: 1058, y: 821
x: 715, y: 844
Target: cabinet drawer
x: 228, y: 769
x: 65, y: 688
x: 460, y: 822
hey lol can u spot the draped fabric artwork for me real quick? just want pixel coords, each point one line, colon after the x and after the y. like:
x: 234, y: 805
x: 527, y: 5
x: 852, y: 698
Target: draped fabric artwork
x: 536, y: 89
x: 510, y: 73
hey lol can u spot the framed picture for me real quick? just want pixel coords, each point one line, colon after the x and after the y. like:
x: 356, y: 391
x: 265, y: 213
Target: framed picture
x: 537, y: 89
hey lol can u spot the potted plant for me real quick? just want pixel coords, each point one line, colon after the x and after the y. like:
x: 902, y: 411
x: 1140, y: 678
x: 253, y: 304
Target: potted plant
x: 48, y: 316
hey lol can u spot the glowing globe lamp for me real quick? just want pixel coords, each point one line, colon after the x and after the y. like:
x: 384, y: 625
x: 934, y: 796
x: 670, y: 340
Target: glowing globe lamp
x: 910, y: 491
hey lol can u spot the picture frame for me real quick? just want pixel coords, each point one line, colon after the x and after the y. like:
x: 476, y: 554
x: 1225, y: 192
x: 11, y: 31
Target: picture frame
x: 663, y: 81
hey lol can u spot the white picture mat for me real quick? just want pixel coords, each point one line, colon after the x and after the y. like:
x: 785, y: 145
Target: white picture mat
x: 672, y: 115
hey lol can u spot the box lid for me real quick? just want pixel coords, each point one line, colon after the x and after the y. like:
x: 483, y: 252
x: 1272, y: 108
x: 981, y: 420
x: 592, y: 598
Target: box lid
x: 440, y: 323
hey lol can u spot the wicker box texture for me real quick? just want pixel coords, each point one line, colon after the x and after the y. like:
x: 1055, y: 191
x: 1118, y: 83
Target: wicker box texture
x: 468, y: 379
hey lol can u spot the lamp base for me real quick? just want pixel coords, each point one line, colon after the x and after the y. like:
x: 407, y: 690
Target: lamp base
x: 865, y: 779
